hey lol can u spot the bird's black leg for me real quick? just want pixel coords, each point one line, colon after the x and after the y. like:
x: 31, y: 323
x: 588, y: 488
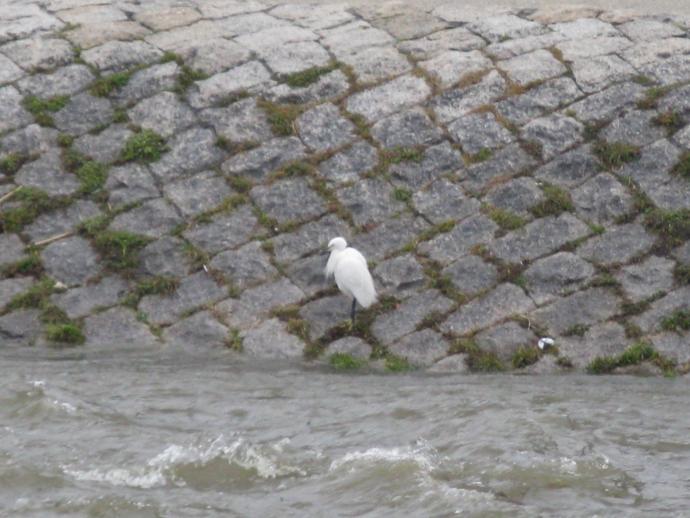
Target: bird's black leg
x: 354, y: 308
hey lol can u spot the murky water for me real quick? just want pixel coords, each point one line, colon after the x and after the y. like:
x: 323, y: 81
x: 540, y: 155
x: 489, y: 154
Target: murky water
x: 149, y: 436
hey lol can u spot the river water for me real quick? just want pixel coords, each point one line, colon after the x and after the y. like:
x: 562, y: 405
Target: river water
x: 178, y: 436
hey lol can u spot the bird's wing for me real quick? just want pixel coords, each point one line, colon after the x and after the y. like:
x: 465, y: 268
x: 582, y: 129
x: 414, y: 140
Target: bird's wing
x: 352, y: 275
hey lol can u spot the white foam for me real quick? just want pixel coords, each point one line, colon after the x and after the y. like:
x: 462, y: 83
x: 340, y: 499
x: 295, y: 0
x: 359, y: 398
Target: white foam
x: 422, y: 456
x: 159, y: 470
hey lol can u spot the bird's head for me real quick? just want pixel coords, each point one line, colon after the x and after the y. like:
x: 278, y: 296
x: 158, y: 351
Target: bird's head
x: 337, y: 243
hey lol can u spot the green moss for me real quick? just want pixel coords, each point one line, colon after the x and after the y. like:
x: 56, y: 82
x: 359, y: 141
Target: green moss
x: 94, y: 226
x: 345, y: 362
x: 556, y: 201
x: 11, y: 163
x: 145, y: 146
x: 676, y: 321
x: 281, y: 117
x: 72, y: 159
x: 402, y: 194
x: 397, y: 364
x: 104, y: 86
x: 186, y: 77
x: 682, y: 168
x: 632, y: 330
x: 505, y: 219
x: 92, y: 176
x: 307, y: 77
x: 119, y: 249
x: 525, y: 356
x: 613, y: 155
x: 65, y: 333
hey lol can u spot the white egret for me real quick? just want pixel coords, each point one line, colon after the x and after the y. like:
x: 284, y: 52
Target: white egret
x: 351, y: 273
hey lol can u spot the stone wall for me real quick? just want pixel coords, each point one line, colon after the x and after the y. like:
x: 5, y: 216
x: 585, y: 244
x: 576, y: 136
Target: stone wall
x: 171, y: 172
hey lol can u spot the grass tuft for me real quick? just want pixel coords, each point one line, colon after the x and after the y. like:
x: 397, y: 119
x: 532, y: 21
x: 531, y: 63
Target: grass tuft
x: 119, y: 249
x: 281, y: 117
x: 525, y: 356
x: 146, y: 146
x: 307, y: 77
x: 576, y: 330
x: 397, y: 364
x: 345, y: 362
x: 234, y: 340
x: 673, y: 227
x: 556, y: 201
x: 106, y: 85
x: 65, y: 333
x: 505, y: 219
x: 682, y: 168
x: 614, y: 154
x: 92, y: 176
x: 12, y: 163
x: 402, y: 194
x: 34, y: 296
x: 651, y: 96
x: 186, y: 77
x: 677, y: 321
x: 634, y: 355
x: 671, y: 120
x: 31, y: 203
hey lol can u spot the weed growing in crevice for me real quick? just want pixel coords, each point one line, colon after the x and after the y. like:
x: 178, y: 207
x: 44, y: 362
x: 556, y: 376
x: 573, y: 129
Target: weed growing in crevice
x: 234, y: 340
x: 671, y: 120
x: 505, y: 219
x: 672, y: 227
x: 556, y: 201
x: 651, y: 97
x: 308, y: 76
x: 119, y: 249
x: 613, y: 155
x: 525, y: 356
x: 634, y: 355
x: 482, y: 155
x: 68, y: 333
x: 345, y: 362
x: 281, y: 117
x: 678, y: 321
x: 104, y: 86
x: 682, y: 168
x: 41, y: 108
x: 146, y: 146
x: 92, y: 176
x: 395, y: 363
x: 30, y: 203
x: 12, y: 163
x: 186, y: 77
x: 575, y: 330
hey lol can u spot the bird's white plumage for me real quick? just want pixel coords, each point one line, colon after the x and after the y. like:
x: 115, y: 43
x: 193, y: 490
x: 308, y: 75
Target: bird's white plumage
x: 349, y: 267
